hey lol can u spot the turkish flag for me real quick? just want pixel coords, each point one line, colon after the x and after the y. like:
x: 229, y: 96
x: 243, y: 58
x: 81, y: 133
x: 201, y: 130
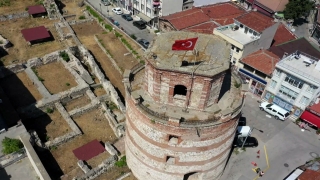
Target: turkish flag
x: 187, y: 44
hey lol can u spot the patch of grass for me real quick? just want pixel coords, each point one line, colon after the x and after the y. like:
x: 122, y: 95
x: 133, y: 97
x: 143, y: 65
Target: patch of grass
x: 64, y: 56
x: 109, y: 27
x: 142, y: 62
x: 236, y: 84
x: 67, y: 84
x: 118, y: 34
x: 37, y: 74
x: 5, y: 3
x: 1, y: 41
x: 39, y: 2
x: 52, y: 148
x: 153, y: 121
x: 82, y: 17
x: 156, y: 31
x: 133, y: 36
x: 112, y: 105
x: 11, y: 145
x: 94, y: 14
x: 122, y: 162
x: 49, y: 110
x: 47, y: 138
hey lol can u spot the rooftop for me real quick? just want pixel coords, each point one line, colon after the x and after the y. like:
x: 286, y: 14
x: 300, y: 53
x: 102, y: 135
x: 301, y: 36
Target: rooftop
x: 290, y: 47
x: 275, y: 5
x: 309, y: 174
x: 213, y: 53
x: 282, y: 35
x: 205, y: 28
x: 255, y: 21
x: 315, y: 107
x: 36, y: 9
x: 302, y: 66
x: 89, y: 150
x: 262, y: 60
x: 221, y: 13
x: 35, y: 33
x: 237, y: 35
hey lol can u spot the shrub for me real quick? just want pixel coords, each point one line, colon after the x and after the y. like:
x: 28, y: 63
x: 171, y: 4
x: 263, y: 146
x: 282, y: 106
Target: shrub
x: 142, y: 62
x: 298, y: 121
x: 26, y: 8
x: 117, y: 34
x: 11, y: 145
x: 122, y: 162
x: 112, y: 106
x: 67, y: 84
x: 153, y: 121
x: 49, y: 110
x: 156, y: 31
x: 236, y: 84
x: 5, y: 3
x: 64, y: 56
x: 133, y: 36
x: 82, y: 17
x: 37, y: 74
x: 109, y: 27
x: 53, y: 148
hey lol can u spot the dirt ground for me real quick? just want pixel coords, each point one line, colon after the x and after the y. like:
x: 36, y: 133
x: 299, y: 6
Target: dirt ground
x: 16, y: 6
x: 86, y: 37
x: 99, y: 91
x: 117, y: 50
x: 48, y: 126
x: 21, y: 52
x: 20, y: 89
x: 77, y: 103
x: 72, y: 8
x: 56, y: 77
x: 114, y: 173
x: 94, y: 126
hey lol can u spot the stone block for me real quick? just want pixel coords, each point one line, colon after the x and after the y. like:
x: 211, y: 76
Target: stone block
x: 110, y: 148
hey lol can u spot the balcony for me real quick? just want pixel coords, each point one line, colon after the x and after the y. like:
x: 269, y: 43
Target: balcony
x: 156, y: 4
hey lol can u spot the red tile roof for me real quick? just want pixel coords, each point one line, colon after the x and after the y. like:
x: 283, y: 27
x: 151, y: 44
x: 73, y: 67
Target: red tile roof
x: 222, y: 13
x: 205, y: 28
x: 282, y: 35
x: 309, y: 174
x: 315, y: 108
x: 256, y: 21
x: 89, y: 150
x: 262, y: 60
x: 275, y: 5
x: 36, y: 33
x: 36, y: 9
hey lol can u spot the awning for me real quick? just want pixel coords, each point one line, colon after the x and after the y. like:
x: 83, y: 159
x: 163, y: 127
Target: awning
x: 144, y: 17
x: 252, y: 76
x: 311, y: 118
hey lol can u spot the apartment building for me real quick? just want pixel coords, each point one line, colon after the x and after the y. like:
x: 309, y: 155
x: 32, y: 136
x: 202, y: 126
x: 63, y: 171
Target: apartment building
x: 249, y: 33
x: 151, y: 10
x: 295, y: 82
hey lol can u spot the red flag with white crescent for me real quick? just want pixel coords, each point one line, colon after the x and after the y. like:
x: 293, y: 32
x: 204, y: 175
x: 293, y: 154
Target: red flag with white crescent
x: 186, y: 44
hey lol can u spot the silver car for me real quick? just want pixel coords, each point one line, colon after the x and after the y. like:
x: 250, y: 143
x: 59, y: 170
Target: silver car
x: 105, y: 2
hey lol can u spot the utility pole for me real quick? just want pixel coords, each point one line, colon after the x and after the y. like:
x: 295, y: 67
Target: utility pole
x: 100, y: 8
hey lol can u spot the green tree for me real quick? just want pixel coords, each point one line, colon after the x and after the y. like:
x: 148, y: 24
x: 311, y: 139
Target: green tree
x: 297, y: 8
x: 11, y: 145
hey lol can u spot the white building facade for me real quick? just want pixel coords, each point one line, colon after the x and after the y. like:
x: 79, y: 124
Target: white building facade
x: 295, y: 83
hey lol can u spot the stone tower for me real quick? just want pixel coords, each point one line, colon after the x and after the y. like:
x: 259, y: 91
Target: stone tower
x: 182, y: 110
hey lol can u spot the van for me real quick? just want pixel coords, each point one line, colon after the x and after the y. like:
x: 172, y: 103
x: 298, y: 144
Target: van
x: 274, y: 110
x: 243, y: 131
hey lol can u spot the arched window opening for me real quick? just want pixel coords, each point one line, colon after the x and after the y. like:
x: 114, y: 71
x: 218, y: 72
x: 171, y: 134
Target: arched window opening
x: 180, y: 90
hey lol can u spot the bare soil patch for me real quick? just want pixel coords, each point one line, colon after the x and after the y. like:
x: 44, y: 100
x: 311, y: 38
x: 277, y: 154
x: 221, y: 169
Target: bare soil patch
x: 56, y: 77
x: 77, y: 103
x: 94, y: 126
x: 117, y: 50
x: 21, y: 52
x: 16, y: 6
x: 86, y: 36
x: 99, y: 91
x: 71, y: 8
x: 20, y: 89
x: 114, y: 173
x: 48, y: 126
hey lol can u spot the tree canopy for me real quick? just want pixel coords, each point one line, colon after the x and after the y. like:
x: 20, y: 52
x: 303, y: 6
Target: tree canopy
x: 298, y: 8
x: 11, y: 145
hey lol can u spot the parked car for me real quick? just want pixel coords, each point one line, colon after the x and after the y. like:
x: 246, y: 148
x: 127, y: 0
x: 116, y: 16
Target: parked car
x: 139, y: 24
x: 243, y: 131
x: 127, y: 17
x: 113, y: 21
x: 144, y: 43
x: 250, y: 142
x: 274, y: 110
x: 105, y: 2
x: 117, y: 10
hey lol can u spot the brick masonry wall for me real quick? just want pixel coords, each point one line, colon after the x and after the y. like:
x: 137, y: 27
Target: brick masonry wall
x: 160, y: 86
x: 147, y: 147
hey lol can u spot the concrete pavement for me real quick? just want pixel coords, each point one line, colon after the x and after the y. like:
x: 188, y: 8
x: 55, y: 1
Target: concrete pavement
x: 126, y: 25
x: 287, y: 147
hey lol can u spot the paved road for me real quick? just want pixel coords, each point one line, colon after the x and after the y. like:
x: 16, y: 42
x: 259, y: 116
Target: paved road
x: 126, y: 25
x: 286, y: 145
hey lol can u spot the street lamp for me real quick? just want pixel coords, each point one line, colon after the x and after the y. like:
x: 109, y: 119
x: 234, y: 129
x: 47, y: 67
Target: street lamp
x: 249, y: 135
x: 100, y: 8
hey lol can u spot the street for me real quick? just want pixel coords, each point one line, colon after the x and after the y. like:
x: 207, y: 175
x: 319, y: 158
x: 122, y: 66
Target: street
x: 282, y: 147
x: 126, y: 25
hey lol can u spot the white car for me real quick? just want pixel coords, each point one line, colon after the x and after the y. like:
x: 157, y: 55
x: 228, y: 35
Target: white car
x: 274, y: 110
x: 117, y: 10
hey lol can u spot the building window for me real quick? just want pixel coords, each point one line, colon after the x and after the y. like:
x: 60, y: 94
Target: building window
x: 142, y: 7
x: 241, y: 25
x: 294, y: 81
x: 148, y: 10
x: 273, y: 84
x: 170, y: 159
x: 149, y: 2
x: 180, y: 90
x: 173, y: 139
x: 288, y: 92
x: 237, y: 50
x: 277, y: 73
x: 311, y: 89
x: 186, y: 7
x: 304, y: 100
x: 250, y: 31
